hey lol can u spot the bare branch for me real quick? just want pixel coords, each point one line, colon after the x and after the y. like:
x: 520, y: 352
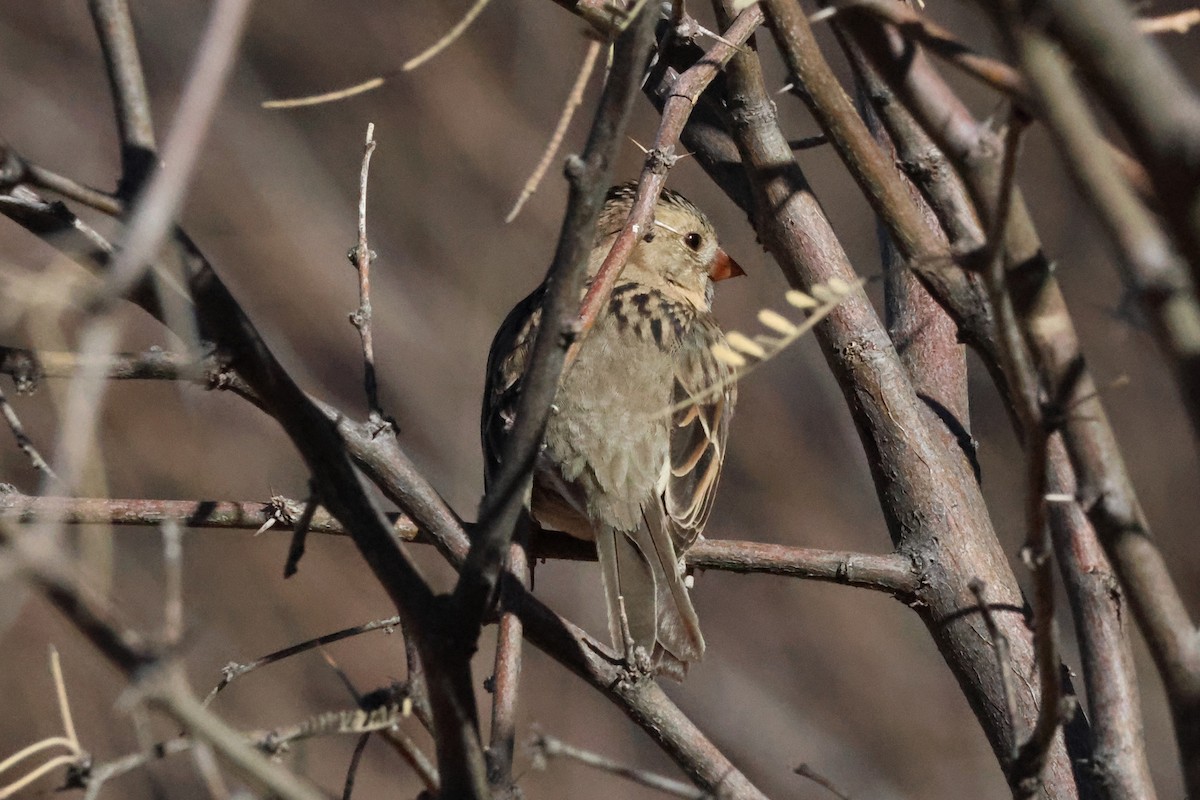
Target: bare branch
x: 589, y: 179
x: 450, y: 37
x: 506, y: 678
x: 891, y: 573
x: 547, y: 747
x: 560, y: 130
x: 24, y: 442
x: 362, y: 256
x: 886, y: 410
x: 659, y: 159
x: 232, y: 671
x: 114, y: 28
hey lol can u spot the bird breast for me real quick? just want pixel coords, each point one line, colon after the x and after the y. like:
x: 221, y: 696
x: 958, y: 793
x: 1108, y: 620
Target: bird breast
x: 609, y: 431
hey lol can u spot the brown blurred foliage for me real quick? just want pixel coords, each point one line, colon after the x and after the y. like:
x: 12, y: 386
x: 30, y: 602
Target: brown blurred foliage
x: 842, y: 679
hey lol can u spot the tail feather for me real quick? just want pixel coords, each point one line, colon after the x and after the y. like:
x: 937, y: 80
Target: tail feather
x: 678, y: 626
x: 640, y: 569
x: 629, y: 580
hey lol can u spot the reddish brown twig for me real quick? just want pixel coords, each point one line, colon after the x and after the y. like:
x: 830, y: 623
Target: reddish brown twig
x: 659, y: 159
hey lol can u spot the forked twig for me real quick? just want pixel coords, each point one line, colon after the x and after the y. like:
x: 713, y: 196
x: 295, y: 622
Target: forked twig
x: 68, y: 740
x: 233, y: 670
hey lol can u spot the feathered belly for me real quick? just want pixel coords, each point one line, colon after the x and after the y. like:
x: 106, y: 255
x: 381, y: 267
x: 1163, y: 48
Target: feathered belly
x: 607, y: 440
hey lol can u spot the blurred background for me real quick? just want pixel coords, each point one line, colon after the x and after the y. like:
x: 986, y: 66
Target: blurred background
x: 842, y: 679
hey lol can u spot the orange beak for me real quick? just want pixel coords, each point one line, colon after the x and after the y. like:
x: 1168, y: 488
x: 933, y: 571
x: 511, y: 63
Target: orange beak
x: 724, y: 267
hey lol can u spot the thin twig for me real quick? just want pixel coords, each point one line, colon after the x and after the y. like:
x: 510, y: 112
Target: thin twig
x: 23, y: 440
x: 1179, y: 22
x: 805, y: 771
x: 1003, y: 662
x: 299, y: 533
x: 68, y: 740
x: 450, y: 37
x: 560, y: 130
x: 42, y: 178
x: 547, y: 747
x: 506, y: 677
x: 589, y: 177
x: 362, y: 257
x: 156, y: 208
x: 659, y: 160
x: 172, y: 535
x: 131, y: 101
x: 328, y: 97
x: 1025, y: 771
x: 233, y: 670
x: 890, y: 573
x: 352, y: 770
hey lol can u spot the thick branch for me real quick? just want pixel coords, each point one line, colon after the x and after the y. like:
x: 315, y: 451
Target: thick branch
x: 917, y: 476
x: 1104, y: 486
x: 1147, y: 97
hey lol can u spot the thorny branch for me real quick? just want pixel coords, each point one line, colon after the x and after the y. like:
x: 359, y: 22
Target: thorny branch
x: 891, y: 573
x: 659, y: 159
x: 1066, y: 436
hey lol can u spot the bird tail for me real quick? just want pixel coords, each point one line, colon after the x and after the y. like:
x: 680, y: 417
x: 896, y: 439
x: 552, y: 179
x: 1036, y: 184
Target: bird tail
x: 641, y: 574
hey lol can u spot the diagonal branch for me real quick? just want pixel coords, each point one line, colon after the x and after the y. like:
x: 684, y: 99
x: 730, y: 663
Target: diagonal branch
x: 917, y: 482
x: 589, y: 178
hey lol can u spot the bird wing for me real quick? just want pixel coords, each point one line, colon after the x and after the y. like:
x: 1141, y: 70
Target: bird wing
x: 698, y: 433
x: 506, y: 364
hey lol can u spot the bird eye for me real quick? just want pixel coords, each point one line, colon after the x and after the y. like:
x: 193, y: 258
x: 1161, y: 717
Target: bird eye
x: 693, y: 240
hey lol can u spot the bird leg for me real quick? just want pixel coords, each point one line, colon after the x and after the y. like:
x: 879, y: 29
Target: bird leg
x: 637, y: 660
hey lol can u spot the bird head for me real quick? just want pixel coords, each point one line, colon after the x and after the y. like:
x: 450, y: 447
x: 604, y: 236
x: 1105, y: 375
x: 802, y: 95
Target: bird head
x: 679, y: 255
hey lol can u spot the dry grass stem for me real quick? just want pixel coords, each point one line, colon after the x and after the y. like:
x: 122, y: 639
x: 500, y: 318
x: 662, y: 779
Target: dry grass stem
x: 560, y: 129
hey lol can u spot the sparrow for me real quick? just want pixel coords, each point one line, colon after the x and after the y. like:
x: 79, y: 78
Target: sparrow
x: 634, y: 444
